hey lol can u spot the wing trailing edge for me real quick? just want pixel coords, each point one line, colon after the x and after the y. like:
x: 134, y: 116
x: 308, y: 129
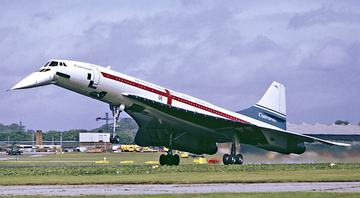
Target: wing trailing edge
x: 314, y: 139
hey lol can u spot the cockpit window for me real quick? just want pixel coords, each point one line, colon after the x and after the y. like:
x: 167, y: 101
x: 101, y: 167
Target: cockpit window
x: 53, y: 63
x: 46, y: 63
x: 45, y: 70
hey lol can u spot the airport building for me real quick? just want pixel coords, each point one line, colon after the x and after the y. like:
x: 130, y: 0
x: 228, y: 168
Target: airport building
x: 95, y: 142
x: 341, y: 133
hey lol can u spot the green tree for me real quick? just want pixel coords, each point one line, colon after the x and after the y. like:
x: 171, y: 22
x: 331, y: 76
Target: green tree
x: 4, y: 128
x: 20, y: 135
x: 125, y: 138
x: 4, y: 136
x: 14, y: 126
x: 129, y: 126
x: 31, y: 133
x: 72, y: 135
x: 340, y: 122
x: 48, y: 136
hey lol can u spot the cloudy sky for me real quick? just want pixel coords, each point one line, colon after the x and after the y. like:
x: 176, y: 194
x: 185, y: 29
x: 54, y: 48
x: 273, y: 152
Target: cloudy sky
x: 225, y: 52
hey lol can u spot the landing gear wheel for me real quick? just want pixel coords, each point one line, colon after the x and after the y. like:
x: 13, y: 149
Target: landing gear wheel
x: 226, y: 159
x: 115, y: 140
x: 176, y: 160
x: 239, y: 159
x: 169, y: 160
x: 232, y: 159
x: 163, y: 159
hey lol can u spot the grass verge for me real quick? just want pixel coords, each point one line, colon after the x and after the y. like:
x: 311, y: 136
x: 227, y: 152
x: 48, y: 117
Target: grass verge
x: 186, y: 174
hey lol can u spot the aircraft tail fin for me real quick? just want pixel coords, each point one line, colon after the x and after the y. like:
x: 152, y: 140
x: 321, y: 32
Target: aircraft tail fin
x: 271, y: 108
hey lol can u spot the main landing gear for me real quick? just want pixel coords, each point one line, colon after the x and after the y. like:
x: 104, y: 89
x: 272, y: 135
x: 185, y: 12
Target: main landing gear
x: 233, y: 158
x: 170, y: 159
x: 116, y: 110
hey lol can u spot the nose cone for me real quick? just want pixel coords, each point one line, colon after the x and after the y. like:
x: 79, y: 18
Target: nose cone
x: 35, y: 79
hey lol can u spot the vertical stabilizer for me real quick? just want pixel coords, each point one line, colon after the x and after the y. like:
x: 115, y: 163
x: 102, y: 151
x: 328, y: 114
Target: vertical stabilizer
x: 271, y: 108
x: 274, y: 98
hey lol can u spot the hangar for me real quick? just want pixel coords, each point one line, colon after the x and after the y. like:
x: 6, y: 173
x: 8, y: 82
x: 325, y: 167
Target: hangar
x: 340, y: 133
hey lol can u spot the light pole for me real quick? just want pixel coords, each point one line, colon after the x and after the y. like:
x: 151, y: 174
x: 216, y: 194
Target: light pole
x: 60, y: 141
x: 106, y: 119
x: 115, y: 138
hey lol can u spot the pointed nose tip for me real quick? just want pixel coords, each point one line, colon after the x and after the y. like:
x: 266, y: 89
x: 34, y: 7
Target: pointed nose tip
x: 35, y: 79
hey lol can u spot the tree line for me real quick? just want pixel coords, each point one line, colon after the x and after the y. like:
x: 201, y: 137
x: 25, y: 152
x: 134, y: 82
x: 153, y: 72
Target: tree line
x: 126, y: 131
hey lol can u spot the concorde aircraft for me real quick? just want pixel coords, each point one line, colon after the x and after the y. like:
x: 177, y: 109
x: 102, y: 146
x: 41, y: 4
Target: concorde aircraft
x: 176, y: 120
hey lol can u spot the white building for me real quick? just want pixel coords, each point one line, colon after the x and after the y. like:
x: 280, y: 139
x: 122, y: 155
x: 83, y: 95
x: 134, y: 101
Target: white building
x: 94, y: 137
x: 95, y: 142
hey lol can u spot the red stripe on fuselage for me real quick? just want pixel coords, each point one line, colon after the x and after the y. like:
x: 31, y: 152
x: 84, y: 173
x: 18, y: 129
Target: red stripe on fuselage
x: 170, y: 97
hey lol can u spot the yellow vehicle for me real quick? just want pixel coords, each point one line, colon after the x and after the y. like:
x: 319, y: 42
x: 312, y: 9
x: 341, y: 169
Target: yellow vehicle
x: 130, y: 148
x: 137, y: 148
x: 148, y: 149
x: 127, y: 148
x: 184, y: 155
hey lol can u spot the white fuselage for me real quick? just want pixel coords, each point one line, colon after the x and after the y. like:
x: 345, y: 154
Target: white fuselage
x: 110, y: 86
x: 262, y: 125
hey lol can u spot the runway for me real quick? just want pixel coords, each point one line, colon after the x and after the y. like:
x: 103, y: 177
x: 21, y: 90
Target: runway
x: 118, y: 189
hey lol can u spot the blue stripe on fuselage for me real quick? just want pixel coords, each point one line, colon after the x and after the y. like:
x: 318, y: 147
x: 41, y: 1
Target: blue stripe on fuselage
x: 264, y: 115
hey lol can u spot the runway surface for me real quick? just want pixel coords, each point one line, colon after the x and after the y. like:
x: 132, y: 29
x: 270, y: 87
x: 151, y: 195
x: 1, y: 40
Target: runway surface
x: 75, y: 190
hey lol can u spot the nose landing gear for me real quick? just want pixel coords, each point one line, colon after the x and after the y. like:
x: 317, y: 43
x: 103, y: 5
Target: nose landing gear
x: 116, y: 110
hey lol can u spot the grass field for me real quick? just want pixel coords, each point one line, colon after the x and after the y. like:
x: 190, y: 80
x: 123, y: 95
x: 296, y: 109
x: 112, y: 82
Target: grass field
x: 187, y: 172
x: 77, y: 158
x: 140, y: 159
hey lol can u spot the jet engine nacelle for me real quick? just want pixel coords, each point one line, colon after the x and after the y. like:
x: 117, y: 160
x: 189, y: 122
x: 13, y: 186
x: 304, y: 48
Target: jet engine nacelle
x: 289, y: 146
x: 295, y: 147
x: 203, y: 147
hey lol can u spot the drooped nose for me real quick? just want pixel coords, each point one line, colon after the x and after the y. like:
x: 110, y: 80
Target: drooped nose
x: 35, y: 79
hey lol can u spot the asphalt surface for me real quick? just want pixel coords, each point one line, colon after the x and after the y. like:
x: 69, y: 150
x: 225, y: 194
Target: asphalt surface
x: 76, y: 190
x: 4, y: 156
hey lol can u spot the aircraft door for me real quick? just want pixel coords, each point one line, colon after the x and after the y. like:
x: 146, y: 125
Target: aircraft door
x: 96, y: 75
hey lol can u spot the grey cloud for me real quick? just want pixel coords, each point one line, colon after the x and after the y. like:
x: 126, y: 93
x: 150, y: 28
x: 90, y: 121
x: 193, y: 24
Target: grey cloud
x: 161, y: 37
x: 324, y: 15
x: 226, y: 53
x: 261, y: 44
x: 43, y: 16
x: 327, y: 55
